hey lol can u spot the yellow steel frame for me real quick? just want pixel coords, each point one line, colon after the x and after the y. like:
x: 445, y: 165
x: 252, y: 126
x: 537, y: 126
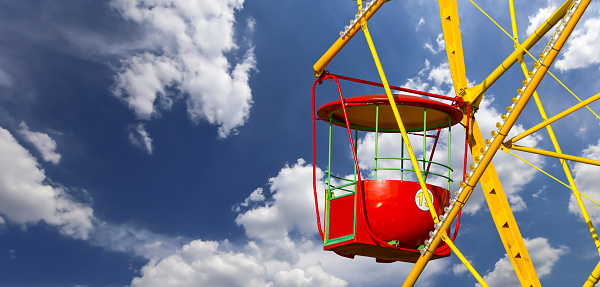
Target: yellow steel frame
x: 483, y: 151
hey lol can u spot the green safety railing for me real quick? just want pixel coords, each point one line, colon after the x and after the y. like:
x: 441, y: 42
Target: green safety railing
x: 348, y: 186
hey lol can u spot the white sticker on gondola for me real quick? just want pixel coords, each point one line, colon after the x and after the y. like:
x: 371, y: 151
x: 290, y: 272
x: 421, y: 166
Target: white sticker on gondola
x: 420, y: 200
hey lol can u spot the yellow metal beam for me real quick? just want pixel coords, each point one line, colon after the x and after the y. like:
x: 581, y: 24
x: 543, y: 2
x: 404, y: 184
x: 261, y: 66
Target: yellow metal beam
x: 555, y: 154
x: 483, y: 168
x: 409, y: 148
x: 343, y: 40
x: 552, y: 119
x: 565, y: 167
x: 453, y: 42
x: 473, y: 95
x: 464, y: 261
x: 594, y: 277
x: 504, y: 220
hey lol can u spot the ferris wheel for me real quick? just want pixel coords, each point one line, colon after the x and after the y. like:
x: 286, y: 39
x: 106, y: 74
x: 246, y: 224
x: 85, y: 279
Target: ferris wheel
x: 410, y: 214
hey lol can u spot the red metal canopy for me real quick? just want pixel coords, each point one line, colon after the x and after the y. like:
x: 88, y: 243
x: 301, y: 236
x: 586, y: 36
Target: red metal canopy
x: 361, y: 112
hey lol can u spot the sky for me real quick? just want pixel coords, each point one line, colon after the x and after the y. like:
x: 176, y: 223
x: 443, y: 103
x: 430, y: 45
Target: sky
x: 168, y: 143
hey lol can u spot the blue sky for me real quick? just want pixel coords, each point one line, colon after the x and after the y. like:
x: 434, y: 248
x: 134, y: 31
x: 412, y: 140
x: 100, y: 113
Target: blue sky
x: 168, y: 143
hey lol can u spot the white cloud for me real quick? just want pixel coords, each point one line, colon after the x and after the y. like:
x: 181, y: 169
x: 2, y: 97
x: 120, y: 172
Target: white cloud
x: 312, y: 276
x: 255, y: 196
x: 421, y: 23
x: 289, y: 210
x: 5, y: 79
x: 440, y: 45
x: 543, y: 257
x: 42, y: 142
x: 130, y: 239
x: 583, y: 45
x: 201, y: 263
x: 282, y: 250
x: 537, y: 19
x: 587, y: 181
x: 26, y: 199
x: 138, y: 136
x: 188, y: 60
x: 459, y: 269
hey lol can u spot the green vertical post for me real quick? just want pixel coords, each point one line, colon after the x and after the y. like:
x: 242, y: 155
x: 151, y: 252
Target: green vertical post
x: 329, y: 160
x: 376, y: 137
x: 449, y: 145
x: 356, y: 151
x: 424, y: 138
x: 402, y: 159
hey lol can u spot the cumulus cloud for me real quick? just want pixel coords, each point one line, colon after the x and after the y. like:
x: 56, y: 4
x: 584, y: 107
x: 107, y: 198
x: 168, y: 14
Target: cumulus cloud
x: 135, y: 241
x: 26, y: 198
x: 282, y: 249
x: 312, y: 276
x: 201, y: 263
x: 138, y: 136
x: 5, y: 79
x: 256, y: 196
x: 439, y: 41
x: 543, y: 257
x: 289, y: 210
x: 42, y: 142
x: 586, y: 178
x: 541, y: 15
x: 188, y: 59
x: 420, y: 23
x: 583, y: 45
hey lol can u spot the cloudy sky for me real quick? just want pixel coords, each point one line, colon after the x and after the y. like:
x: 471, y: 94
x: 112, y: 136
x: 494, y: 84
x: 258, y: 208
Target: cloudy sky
x: 168, y: 143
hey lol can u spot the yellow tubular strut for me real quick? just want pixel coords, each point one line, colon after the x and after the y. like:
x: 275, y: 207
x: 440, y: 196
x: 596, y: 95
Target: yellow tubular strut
x: 453, y: 42
x: 593, y: 279
x: 564, y: 165
x: 555, y: 154
x: 343, y: 40
x: 529, y: 278
x: 553, y: 119
x: 539, y: 169
x: 474, y: 94
x: 413, y: 160
x: 464, y: 261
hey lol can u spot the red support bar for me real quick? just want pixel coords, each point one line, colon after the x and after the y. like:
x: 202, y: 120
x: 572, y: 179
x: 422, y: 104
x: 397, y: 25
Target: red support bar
x: 394, y: 88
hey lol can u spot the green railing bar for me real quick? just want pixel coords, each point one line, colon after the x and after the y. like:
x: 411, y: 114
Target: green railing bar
x: 343, y: 195
x: 341, y: 178
x: 424, y: 136
x: 449, y: 143
x: 427, y: 161
x: 338, y: 240
x: 422, y: 172
x: 355, y: 151
x: 340, y: 186
x: 376, y: 137
x: 402, y: 158
x: 329, y: 156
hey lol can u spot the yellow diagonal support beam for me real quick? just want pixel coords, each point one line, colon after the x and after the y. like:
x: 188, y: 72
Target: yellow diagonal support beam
x: 485, y: 173
x: 473, y: 95
x: 565, y: 167
x: 453, y: 42
x: 553, y: 119
x: 320, y: 65
x: 464, y: 261
x: 555, y: 154
x: 504, y: 220
x: 594, y: 277
x: 400, y: 123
